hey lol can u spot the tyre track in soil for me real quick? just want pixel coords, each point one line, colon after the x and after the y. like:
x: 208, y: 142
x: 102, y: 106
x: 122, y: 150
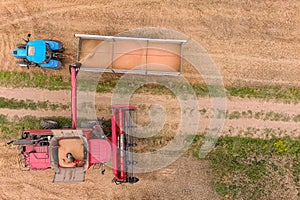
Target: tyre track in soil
x: 233, y: 127
x: 43, y: 13
x: 6, y: 45
x: 11, y: 11
x: 25, y: 17
x: 255, y: 72
x: 18, y: 15
x: 20, y: 18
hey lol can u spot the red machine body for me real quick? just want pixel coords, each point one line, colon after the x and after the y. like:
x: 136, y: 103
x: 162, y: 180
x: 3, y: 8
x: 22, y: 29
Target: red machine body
x: 123, y: 129
x: 43, y: 149
x: 39, y: 159
x: 36, y: 149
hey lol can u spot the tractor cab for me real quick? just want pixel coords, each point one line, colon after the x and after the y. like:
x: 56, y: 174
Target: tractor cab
x: 36, y: 51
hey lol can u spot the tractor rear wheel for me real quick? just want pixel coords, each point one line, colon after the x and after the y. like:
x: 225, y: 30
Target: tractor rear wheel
x: 49, y: 124
x: 61, y: 50
x: 21, y: 46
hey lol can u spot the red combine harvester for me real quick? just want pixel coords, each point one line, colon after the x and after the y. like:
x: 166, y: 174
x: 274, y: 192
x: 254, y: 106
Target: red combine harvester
x: 70, y: 152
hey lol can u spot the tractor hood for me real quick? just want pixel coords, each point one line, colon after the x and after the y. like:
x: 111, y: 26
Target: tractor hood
x: 36, y: 51
x: 19, y: 53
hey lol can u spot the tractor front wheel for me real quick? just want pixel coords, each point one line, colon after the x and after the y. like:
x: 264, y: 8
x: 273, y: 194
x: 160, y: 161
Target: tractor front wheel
x: 49, y: 124
x: 22, y: 64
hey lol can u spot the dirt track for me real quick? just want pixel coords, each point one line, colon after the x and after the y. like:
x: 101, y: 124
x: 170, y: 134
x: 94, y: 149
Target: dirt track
x: 253, y: 43
x: 280, y: 114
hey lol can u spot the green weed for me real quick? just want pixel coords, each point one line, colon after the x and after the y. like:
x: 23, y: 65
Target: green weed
x: 11, y: 129
x: 31, y: 105
x: 243, y: 166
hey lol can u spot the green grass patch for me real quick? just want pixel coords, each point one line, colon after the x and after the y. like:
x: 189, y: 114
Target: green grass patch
x: 268, y: 92
x: 246, y: 168
x: 22, y: 79
x: 266, y: 116
x: 12, y: 129
x: 109, y: 82
x: 31, y: 105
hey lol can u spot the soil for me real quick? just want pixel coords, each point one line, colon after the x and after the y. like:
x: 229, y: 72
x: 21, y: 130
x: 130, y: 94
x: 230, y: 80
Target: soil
x: 184, y: 179
x: 252, y: 43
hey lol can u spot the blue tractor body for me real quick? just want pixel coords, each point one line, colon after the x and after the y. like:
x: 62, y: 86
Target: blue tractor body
x: 43, y: 53
x: 19, y: 53
x: 36, y: 51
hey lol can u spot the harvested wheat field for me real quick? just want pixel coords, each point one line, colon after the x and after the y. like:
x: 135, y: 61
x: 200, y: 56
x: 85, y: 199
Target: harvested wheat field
x: 254, y: 45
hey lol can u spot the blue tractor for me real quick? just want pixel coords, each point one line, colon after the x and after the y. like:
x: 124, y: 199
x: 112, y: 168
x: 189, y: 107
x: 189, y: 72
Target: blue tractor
x: 39, y: 53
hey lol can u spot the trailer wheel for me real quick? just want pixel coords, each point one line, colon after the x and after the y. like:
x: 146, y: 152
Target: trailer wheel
x: 49, y: 124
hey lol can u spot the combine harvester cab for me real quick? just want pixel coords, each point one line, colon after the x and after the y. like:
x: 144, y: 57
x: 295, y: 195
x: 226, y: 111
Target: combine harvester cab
x: 71, y: 154
x: 42, y: 53
x: 68, y: 152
